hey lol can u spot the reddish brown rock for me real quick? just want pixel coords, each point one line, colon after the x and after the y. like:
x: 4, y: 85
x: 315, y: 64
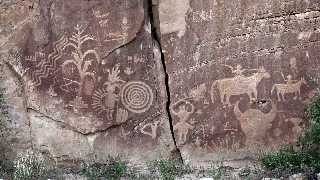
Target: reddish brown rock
x: 93, y: 80
x: 240, y: 73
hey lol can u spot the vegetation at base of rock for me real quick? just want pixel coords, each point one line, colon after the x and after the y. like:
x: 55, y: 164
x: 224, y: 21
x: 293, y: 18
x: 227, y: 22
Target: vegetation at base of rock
x: 27, y: 167
x: 169, y: 169
x: 113, y: 168
x: 305, y: 155
x: 216, y: 171
x: 30, y: 166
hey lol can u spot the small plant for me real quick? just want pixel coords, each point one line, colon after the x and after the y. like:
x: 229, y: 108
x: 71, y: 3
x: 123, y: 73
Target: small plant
x: 114, y: 168
x: 169, y: 169
x: 6, y: 168
x: 305, y: 155
x: 216, y: 171
x: 29, y: 167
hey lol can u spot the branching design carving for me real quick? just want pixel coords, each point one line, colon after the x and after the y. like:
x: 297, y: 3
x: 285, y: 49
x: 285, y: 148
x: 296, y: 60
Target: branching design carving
x: 80, y: 59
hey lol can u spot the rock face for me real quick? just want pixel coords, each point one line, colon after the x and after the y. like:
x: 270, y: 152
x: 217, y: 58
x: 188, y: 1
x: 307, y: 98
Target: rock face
x: 87, y: 79
x: 92, y: 78
x: 240, y: 73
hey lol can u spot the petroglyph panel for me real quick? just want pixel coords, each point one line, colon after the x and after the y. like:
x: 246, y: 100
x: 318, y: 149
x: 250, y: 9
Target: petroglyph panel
x: 241, y: 75
x: 90, y: 67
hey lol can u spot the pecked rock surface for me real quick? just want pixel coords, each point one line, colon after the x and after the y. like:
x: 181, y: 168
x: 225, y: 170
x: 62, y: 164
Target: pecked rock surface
x: 92, y: 78
x: 87, y: 79
x: 240, y: 73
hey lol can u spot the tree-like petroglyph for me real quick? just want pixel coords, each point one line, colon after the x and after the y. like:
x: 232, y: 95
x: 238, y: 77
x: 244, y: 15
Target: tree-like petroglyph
x: 238, y: 85
x: 290, y: 87
x: 80, y: 60
x: 137, y: 96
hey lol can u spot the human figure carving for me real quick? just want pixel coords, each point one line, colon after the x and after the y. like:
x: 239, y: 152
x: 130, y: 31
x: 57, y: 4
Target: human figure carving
x: 183, y: 114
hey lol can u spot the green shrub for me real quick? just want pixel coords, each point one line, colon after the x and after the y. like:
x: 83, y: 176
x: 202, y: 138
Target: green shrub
x: 305, y: 155
x: 6, y: 169
x: 169, y: 169
x: 114, y: 168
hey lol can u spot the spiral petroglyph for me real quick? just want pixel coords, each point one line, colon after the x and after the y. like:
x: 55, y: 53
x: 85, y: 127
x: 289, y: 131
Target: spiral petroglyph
x: 137, y: 96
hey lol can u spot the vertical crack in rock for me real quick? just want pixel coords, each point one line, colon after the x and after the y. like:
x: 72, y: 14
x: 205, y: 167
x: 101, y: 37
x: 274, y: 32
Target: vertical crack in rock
x: 155, y: 33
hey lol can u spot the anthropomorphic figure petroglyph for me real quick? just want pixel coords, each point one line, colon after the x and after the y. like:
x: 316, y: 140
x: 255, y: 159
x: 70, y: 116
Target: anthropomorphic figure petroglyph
x: 283, y: 89
x: 237, y: 86
x: 183, y: 114
x: 238, y: 71
x: 255, y: 123
x: 106, y: 98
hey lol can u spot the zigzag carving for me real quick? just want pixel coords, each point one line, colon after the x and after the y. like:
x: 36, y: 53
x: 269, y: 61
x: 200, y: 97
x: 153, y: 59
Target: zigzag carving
x: 45, y: 68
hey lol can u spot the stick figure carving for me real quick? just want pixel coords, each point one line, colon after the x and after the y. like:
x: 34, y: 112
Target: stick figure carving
x: 183, y: 114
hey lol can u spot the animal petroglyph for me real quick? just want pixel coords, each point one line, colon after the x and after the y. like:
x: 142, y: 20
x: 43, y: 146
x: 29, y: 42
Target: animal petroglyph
x: 289, y: 87
x: 153, y: 127
x: 137, y: 96
x: 255, y: 123
x: 238, y: 85
x: 183, y: 114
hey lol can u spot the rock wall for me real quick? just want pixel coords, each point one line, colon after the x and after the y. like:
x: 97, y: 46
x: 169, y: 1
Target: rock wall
x: 240, y: 73
x: 213, y: 79
x: 92, y: 77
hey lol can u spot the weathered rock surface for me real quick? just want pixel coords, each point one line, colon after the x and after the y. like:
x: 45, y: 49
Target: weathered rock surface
x: 92, y: 77
x: 240, y: 73
x: 86, y: 79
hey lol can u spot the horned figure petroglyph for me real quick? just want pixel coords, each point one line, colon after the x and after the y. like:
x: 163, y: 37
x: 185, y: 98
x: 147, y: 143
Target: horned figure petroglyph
x: 153, y: 127
x: 289, y: 87
x: 183, y: 114
x: 239, y: 85
x: 255, y: 123
x: 105, y: 99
